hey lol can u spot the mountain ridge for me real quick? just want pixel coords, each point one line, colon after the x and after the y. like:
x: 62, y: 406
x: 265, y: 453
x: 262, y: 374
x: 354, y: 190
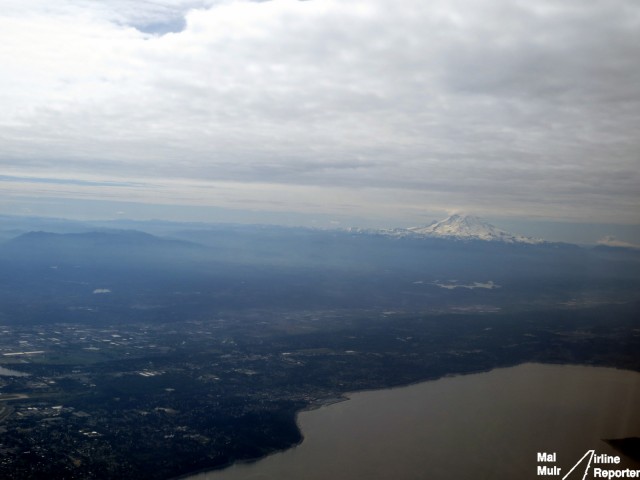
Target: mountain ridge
x: 40, y: 241
x: 464, y: 227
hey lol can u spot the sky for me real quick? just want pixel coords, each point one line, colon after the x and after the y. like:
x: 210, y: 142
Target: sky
x: 328, y: 112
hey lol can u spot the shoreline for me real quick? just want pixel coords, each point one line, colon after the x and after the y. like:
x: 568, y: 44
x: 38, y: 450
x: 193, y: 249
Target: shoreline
x: 347, y: 396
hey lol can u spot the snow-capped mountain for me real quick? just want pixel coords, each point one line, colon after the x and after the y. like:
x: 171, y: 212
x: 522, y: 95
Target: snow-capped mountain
x: 465, y: 227
x: 611, y: 241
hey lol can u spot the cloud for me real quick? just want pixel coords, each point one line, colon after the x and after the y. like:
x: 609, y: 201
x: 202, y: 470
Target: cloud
x: 611, y: 241
x: 101, y: 291
x: 119, y: 12
x: 531, y: 107
x: 63, y: 181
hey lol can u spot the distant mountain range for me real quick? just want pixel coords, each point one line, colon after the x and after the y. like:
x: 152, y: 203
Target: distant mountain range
x: 106, y: 238
x: 463, y: 227
x: 460, y: 228
x: 101, y: 275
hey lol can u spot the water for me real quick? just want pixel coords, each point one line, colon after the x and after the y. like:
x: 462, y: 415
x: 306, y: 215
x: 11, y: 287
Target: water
x: 483, y: 426
x: 7, y: 372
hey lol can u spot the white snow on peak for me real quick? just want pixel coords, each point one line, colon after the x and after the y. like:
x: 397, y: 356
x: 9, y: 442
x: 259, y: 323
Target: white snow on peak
x: 465, y: 227
x: 611, y: 241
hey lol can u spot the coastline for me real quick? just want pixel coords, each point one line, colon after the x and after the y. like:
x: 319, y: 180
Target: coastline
x: 347, y: 396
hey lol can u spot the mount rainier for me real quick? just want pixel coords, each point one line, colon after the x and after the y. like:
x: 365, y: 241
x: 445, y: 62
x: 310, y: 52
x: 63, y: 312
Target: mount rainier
x: 464, y: 227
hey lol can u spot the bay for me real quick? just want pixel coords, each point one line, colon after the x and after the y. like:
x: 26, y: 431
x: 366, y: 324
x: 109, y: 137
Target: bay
x: 487, y: 425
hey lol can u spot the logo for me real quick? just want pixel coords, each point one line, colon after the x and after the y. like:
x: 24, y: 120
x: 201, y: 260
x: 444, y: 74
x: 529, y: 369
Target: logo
x: 590, y: 466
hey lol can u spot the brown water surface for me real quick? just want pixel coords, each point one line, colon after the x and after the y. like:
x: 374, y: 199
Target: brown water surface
x: 482, y: 426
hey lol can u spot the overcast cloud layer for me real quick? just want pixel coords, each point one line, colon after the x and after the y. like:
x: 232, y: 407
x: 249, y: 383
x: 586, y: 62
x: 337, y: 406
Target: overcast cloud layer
x: 499, y: 107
